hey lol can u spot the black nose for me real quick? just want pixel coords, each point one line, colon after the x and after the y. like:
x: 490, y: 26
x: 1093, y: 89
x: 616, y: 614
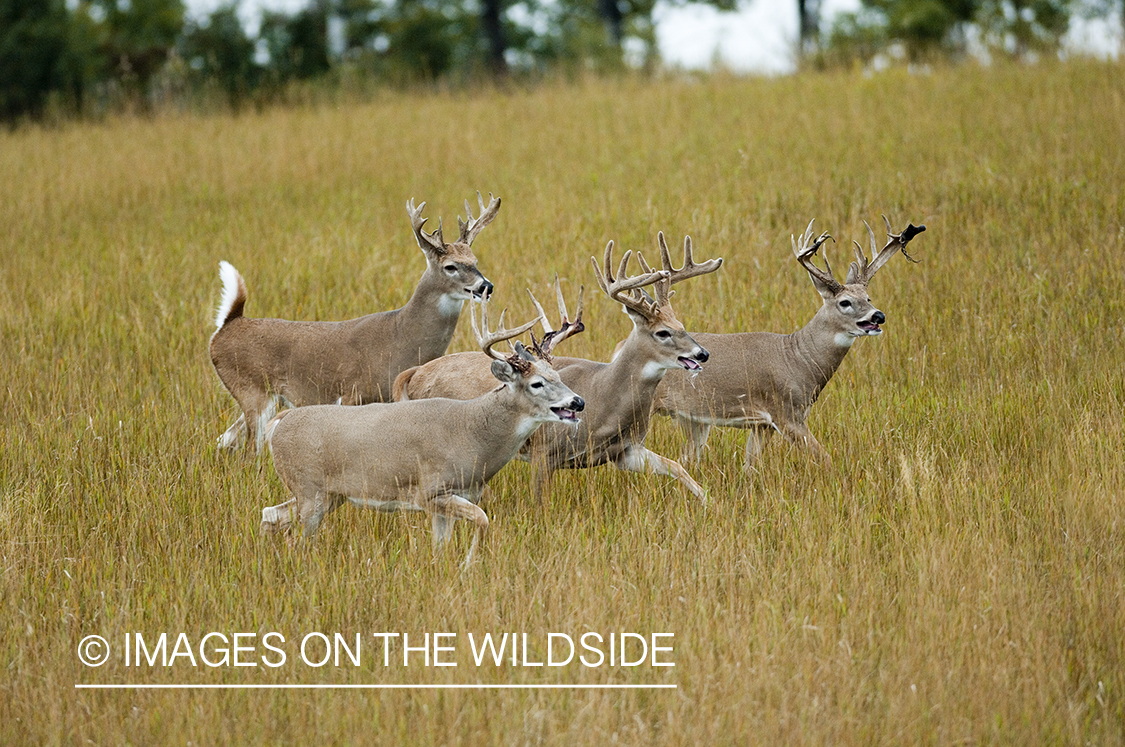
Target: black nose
x: 577, y: 404
x: 703, y: 355
x: 878, y: 317
x: 486, y: 289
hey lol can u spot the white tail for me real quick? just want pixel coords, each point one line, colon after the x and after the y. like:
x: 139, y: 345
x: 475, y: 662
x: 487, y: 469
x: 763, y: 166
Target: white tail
x: 430, y: 455
x: 264, y: 362
x: 766, y: 382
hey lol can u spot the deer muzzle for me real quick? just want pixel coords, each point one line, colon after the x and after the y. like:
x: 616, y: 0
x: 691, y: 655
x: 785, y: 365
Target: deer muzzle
x: 692, y: 362
x: 569, y: 411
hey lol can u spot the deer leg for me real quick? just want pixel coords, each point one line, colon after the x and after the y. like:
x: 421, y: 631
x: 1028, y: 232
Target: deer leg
x: 452, y: 507
x: 696, y: 432
x: 640, y: 459
x: 278, y: 518
x: 312, y: 510
x: 756, y: 439
x: 799, y: 436
x: 234, y: 437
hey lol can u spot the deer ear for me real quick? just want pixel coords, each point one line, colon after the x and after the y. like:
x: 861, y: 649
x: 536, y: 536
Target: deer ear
x: 522, y: 352
x: 504, y: 371
x: 824, y: 289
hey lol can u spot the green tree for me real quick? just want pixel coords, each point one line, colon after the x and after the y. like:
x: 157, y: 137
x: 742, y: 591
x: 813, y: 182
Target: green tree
x: 218, y: 50
x: 45, y: 50
x: 137, y: 38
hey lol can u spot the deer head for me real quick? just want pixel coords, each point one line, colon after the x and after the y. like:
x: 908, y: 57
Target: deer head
x: 654, y: 322
x: 535, y: 379
x: 455, y: 264
x: 847, y: 311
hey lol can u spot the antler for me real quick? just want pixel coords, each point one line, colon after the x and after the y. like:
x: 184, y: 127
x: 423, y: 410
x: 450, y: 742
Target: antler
x: 806, y: 249
x: 473, y: 226
x: 663, y: 288
x: 861, y: 271
x: 567, y: 328
x: 431, y: 241
x: 487, y: 339
x: 626, y: 290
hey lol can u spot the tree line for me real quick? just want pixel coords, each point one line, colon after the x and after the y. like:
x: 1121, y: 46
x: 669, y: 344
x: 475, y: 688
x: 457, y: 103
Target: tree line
x: 83, y: 56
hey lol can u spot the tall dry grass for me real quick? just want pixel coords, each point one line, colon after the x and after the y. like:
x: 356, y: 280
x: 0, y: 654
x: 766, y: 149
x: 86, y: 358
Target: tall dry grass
x: 955, y: 576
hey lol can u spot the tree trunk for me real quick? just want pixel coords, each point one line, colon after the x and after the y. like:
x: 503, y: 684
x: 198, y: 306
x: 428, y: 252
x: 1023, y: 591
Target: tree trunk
x: 614, y: 21
x: 494, y: 33
x: 808, y: 19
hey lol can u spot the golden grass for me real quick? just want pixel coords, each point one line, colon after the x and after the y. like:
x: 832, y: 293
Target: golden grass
x: 956, y: 576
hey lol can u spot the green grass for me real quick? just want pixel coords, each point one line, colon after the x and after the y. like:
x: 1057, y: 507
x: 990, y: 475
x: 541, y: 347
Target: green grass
x: 955, y: 576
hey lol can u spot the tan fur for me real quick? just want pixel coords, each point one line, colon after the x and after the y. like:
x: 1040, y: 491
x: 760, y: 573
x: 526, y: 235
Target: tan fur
x: 619, y: 394
x: 766, y: 382
x: 432, y: 455
x: 354, y: 362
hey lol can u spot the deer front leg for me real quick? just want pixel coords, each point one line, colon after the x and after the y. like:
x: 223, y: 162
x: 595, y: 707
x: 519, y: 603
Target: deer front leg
x: 756, y: 439
x: 640, y: 459
x: 696, y: 432
x: 447, y: 509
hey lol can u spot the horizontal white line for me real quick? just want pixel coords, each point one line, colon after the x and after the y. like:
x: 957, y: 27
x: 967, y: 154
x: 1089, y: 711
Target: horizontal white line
x: 471, y: 686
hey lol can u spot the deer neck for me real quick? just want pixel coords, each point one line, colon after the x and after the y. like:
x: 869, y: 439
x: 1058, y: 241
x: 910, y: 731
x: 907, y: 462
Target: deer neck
x: 630, y: 380
x: 429, y: 317
x: 818, y: 349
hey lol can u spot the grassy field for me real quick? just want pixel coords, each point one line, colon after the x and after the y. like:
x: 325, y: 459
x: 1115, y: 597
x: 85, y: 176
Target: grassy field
x: 956, y: 576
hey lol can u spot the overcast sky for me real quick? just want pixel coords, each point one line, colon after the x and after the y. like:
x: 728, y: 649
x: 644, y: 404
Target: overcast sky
x: 759, y: 38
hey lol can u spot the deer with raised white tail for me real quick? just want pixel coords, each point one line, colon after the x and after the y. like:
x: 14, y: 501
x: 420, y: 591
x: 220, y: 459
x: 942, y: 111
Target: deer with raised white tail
x: 432, y: 455
x: 767, y: 382
x: 619, y: 394
x: 264, y: 362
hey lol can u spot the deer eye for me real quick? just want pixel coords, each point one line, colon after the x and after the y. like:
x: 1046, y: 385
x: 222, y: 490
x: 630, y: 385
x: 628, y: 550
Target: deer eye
x: 845, y: 304
x: 537, y: 385
x: 451, y: 269
x: 663, y: 334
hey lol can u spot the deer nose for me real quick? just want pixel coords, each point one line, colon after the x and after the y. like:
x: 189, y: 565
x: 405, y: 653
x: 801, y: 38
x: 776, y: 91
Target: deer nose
x: 486, y: 289
x: 878, y: 317
x: 702, y: 355
x: 577, y: 404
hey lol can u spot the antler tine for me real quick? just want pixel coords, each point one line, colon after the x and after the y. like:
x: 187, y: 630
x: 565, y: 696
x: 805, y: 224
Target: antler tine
x: 567, y: 328
x: 487, y: 339
x: 805, y: 251
x: 897, y: 242
x: 432, y: 241
x: 473, y: 226
x: 620, y: 289
x: 690, y: 268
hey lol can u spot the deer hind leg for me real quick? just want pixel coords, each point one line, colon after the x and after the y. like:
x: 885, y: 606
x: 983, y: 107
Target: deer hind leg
x: 799, y: 436
x: 278, y: 518
x: 234, y: 437
x: 640, y: 459
x: 447, y: 509
x: 696, y: 432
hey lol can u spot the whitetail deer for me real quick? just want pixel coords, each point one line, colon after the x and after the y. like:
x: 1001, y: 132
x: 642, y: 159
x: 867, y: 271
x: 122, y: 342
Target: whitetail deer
x: 620, y: 393
x: 266, y: 361
x: 467, y: 375
x: 433, y: 455
x: 767, y: 382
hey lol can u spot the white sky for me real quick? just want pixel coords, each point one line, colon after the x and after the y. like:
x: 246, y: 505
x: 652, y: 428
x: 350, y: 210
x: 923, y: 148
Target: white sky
x: 759, y: 38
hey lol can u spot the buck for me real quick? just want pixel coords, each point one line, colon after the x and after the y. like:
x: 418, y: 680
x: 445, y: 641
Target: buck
x: 433, y: 455
x: 766, y: 382
x: 619, y: 394
x: 264, y: 362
